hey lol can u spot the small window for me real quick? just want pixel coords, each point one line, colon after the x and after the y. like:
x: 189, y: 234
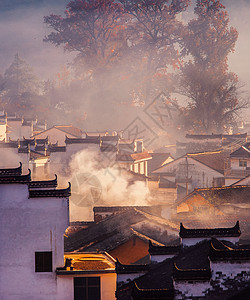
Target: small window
x: 242, y: 163
x: 87, y: 288
x: 43, y: 261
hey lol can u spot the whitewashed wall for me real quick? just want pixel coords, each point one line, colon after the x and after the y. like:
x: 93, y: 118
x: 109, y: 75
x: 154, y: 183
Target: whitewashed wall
x: 27, y: 226
x: 189, y: 290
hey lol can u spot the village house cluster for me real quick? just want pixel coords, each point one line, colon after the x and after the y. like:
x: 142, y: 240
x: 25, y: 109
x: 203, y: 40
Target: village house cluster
x: 190, y: 240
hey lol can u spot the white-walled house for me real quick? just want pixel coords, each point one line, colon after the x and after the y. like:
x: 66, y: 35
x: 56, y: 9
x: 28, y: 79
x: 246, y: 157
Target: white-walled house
x: 3, y: 130
x: 239, y: 165
x: 194, y: 171
x: 34, y: 217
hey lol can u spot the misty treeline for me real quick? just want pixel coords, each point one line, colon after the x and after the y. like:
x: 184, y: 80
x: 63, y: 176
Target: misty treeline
x: 126, y: 53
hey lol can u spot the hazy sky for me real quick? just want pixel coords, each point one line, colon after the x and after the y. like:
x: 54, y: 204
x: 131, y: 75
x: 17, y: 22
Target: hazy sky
x: 22, y: 31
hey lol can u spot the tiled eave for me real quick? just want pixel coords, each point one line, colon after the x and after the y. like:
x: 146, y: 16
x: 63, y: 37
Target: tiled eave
x: 12, y: 171
x: 216, y: 232
x: 82, y: 140
x: 130, y: 269
x: 229, y: 254
x: 163, y: 250
x: 42, y: 141
x: 22, y: 179
x: 82, y: 272
x: 57, y: 149
x: 191, y: 274
x: 158, y: 294
x: 43, y: 184
x: 23, y: 150
x: 58, y: 193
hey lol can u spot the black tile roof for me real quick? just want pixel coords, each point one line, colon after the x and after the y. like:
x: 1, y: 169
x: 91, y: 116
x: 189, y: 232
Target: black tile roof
x: 242, y: 152
x: 218, y: 232
x: 44, y: 184
x: 117, y: 229
x: 42, y: 141
x: 160, y: 276
x: 40, y: 147
x: 163, y: 250
x: 23, y: 149
x: 26, y: 142
x: 228, y: 254
x: 60, y: 193
x: 225, y: 194
x: 53, y: 148
x: 7, y: 179
x: 191, y: 264
x: 12, y: 171
x: 87, y: 140
x: 129, y: 269
x: 150, y: 294
x: 191, y: 274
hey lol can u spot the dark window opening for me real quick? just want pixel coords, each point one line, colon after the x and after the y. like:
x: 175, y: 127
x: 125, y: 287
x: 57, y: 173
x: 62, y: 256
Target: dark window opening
x: 242, y: 163
x: 87, y: 288
x: 43, y: 261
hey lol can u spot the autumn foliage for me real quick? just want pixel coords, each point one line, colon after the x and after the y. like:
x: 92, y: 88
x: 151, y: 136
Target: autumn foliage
x: 144, y: 43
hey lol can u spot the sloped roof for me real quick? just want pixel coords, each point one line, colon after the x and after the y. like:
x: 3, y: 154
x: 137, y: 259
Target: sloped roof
x: 214, y: 160
x: 243, y: 151
x: 157, y: 161
x: 124, y: 156
x: 192, y: 263
x: 163, y: 250
x: 67, y: 129
x: 222, y: 252
x: 117, y: 229
x: 226, y: 194
x: 218, y: 232
x: 160, y: 275
x: 128, y: 269
x: 241, y: 181
x: 141, y: 156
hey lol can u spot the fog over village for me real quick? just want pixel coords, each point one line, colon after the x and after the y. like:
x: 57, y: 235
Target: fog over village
x: 124, y: 149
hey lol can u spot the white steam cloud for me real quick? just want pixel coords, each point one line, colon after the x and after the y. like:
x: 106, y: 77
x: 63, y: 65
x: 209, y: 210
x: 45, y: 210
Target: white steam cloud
x: 96, y: 184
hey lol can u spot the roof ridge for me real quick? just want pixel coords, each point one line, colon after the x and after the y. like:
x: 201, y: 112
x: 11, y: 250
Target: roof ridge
x: 145, y: 236
x: 158, y: 219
